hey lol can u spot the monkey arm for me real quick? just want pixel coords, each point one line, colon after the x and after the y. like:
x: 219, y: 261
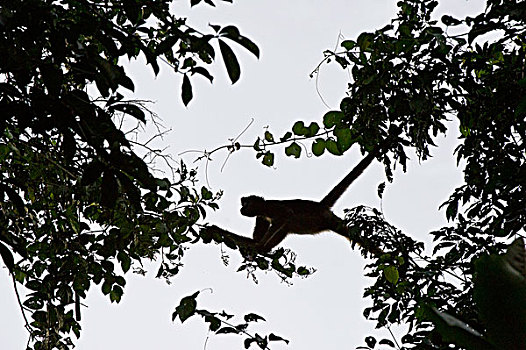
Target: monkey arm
x: 275, y: 234
x: 261, y: 227
x: 231, y: 239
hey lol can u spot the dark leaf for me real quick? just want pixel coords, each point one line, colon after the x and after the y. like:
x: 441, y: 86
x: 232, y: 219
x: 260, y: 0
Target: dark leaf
x: 268, y: 159
x: 318, y: 147
x: 91, y: 173
x: 332, y: 118
x: 253, y: 318
x: 7, y: 257
x: 387, y: 342
x: 269, y: 137
x: 343, y: 139
x: 202, y: 71
x: 231, y: 63
x: 109, y: 189
x: 186, y: 90
x: 456, y: 331
x: 227, y: 330
x: 273, y: 337
x: 370, y: 341
x: 232, y: 33
x: 293, y: 150
x: 287, y: 136
x: 348, y: 44
x: 131, y: 109
x: 186, y: 307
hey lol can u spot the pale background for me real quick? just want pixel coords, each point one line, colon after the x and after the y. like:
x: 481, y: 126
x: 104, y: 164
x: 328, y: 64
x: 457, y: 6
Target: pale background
x: 325, y: 310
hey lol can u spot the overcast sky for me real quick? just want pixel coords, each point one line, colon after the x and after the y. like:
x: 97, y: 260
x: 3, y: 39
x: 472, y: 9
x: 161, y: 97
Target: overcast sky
x: 324, y: 310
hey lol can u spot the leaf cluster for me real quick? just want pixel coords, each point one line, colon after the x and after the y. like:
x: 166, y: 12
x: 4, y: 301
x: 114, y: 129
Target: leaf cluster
x: 80, y: 201
x: 219, y: 322
x: 414, y: 74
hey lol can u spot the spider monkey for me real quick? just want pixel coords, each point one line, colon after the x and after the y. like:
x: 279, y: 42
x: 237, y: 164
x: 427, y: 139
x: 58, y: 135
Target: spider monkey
x: 275, y: 219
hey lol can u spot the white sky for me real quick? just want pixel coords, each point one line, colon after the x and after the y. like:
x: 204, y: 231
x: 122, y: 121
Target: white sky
x: 325, y: 310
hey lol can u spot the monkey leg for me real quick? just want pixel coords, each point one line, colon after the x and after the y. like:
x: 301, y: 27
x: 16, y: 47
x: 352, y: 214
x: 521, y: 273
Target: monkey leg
x: 342, y: 229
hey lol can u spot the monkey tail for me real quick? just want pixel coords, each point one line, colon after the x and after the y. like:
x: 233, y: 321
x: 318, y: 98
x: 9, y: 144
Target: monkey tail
x: 338, y: 190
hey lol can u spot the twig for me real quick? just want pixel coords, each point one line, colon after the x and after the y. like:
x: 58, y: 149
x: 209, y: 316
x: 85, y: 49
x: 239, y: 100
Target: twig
x: 27, y: 325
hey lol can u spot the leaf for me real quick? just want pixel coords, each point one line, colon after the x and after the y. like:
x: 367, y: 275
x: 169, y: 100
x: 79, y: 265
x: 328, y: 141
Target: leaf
x: 287, y: 136
x: 450, y: 21
x: 231, y: 63
x: 455, y: 331
x: 215, y: 322
x: 303, y: 271
x: 202, y: 71
x: 516, y: 256
x: 109, y: 189
x: 380, y: 190
x: 313, y: 129
x: 365, y: 40
x: 269, y: 137
x: 256, y: 145
x: 130, y: 109
x: 91, y: 173
x: 7, y: 257
x: 348, y: 44
x: 125, y: 260
x: 268, y: 159
x: 332, y: 147
x: 370, y: 341
x: 343, y: 139
x: 318, y: 147
x: 293, y: 150
x: 126, y: 82
x: 186, y: 90
x: 387, y: 342
x: 391, y: 274
x: 14, y: 197
x: 215, y: 27
x: 227, y: 330
x: 452, y: 210
x: 332, y: 118
x: 186, y: 307
x: 299, y: 128
x: 273, y: 337
x: 253, y: 318
x: 116, y: 294
x: 233, y: 34
x: 500, y: 297
x: 206, y: 194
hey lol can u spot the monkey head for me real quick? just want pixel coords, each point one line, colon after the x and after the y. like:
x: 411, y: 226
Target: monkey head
x: 251, y: 205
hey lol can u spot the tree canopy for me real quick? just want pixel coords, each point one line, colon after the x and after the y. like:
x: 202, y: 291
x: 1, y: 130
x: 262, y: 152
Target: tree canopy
x: 80, y: 200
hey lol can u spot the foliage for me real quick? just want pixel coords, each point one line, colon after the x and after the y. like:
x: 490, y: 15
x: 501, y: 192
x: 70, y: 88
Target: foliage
x: 499, y: 294
x: 80, y: 203
x: 413, y: 76
x: 220, y: 324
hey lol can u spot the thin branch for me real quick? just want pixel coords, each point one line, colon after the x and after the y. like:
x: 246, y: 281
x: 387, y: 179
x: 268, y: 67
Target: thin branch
x: 394, y: 338
x: 22, y: 308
